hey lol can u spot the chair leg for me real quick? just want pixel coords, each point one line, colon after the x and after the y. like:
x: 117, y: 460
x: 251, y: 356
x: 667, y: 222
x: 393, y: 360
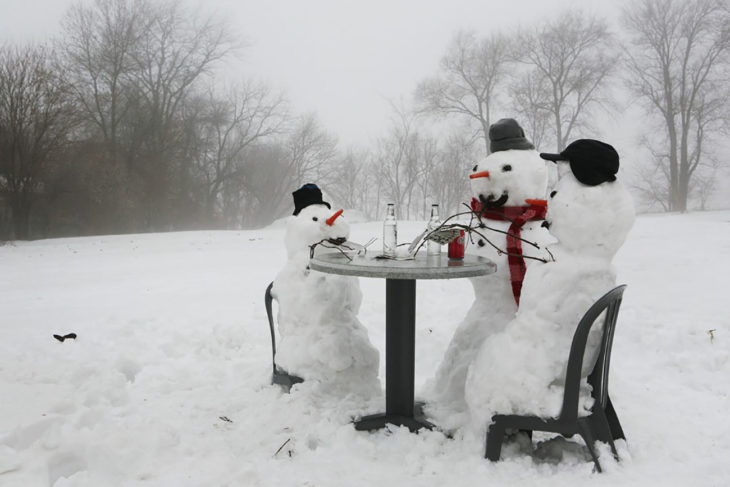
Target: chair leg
x: 616, y: 431
x: 603, y: 431
x: 495, y: 437
x: 587, y: 435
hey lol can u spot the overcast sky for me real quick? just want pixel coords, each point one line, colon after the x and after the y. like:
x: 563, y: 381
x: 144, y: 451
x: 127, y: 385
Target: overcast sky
x: 343, y: 59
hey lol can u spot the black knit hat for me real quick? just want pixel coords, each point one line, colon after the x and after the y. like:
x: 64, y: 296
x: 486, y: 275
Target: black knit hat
x: 506, y: 134
x: 593, y: 162
x: 309, y: 194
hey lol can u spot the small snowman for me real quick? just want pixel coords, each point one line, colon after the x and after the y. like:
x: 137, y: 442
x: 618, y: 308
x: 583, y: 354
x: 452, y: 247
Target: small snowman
x: 508, y: 188
x: 322, y: 339
x: 522, y: 369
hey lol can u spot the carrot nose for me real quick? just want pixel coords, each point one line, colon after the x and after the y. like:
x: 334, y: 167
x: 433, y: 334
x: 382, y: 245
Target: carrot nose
x: 482, y: 174
x: 331, y: 220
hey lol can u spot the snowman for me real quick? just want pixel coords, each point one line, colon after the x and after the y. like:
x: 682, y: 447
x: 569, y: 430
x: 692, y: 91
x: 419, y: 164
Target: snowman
x: 322, y: 340
x: 522, y: 369
x: 508, y: 189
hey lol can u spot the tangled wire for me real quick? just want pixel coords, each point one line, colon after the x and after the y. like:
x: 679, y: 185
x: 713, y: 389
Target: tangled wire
x: 442, y: 234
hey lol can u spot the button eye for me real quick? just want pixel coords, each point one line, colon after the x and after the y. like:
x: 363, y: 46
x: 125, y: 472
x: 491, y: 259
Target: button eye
x: 314, y: 219
x: 506, y: 168
x: 474, y: 169
x: 553, y: 193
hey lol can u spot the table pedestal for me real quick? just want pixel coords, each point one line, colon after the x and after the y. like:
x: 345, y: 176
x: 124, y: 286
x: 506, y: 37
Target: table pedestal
x: 400, y: 347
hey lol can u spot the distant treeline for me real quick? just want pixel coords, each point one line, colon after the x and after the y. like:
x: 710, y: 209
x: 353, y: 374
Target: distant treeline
x: 127, y: 123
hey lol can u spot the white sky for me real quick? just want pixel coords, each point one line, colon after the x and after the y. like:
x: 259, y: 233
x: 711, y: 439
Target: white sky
x: 340, y: 58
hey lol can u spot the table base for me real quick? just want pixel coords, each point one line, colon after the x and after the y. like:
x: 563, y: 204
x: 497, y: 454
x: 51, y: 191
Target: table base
x: 377, y: 421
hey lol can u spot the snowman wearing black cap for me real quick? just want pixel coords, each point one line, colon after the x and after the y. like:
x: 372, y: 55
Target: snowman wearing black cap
x: 508, y: 188
x: 590, y: 213
x: 322, y: 340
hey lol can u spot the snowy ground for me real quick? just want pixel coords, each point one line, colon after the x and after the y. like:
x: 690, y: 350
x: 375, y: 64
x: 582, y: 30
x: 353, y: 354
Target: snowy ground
x: 172, y: 337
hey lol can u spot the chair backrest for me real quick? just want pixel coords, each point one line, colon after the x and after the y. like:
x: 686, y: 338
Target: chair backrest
x: 269, y: 312
x: 610, y: 302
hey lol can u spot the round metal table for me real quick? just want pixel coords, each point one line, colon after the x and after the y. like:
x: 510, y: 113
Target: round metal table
x: 400, y: 320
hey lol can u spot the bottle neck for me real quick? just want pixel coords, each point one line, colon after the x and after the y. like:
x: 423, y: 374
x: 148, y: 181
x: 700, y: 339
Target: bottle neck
x: 434, y: 212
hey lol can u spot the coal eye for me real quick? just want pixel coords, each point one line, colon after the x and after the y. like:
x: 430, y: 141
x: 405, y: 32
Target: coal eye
x: 474, y: 169
x: 506, y: 168
x: 553, y: 193
x: 314, y: 219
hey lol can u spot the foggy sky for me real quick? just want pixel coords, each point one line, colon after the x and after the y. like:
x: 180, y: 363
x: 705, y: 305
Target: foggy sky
x: 342, y: 59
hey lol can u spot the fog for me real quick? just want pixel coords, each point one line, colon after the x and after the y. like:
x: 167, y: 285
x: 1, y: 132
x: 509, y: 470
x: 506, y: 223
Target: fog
x: 343, y: 59
x: 172, y: 115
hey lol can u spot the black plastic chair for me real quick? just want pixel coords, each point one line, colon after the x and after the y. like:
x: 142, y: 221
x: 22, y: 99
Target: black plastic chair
x: 279, y: 376
x: 602, y: 423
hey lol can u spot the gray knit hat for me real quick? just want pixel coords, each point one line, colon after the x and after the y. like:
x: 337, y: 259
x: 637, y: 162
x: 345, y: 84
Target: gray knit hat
x: 507, y: 134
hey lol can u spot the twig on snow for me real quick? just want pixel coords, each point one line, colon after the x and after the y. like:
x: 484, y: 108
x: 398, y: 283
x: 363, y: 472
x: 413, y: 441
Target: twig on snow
x: 282, y: 446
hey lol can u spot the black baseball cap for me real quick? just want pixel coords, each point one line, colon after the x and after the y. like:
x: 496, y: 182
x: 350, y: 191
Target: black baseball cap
x: 592, y: 162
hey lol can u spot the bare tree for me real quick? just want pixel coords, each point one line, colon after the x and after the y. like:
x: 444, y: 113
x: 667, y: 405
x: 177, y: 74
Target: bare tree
x: 35, y: 119
x: 449, y: 182
x: 678, y: 62
x: 471, y: 71
x: 257, y: 194
x: 645, y: 181
x: 310, y: 150
x: 228, y: 125
x: 397, y: 160
x: 529, y: 94
x: 568, y: 61
x: 98, y: 41
x: 348, y: 180
x: 177, y: 50
x: 704, y: 186
x: 134, y: 63
x: 428, y: 154
x: 261, y: 189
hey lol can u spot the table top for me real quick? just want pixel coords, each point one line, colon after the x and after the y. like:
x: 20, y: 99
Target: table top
x: 422, y: 267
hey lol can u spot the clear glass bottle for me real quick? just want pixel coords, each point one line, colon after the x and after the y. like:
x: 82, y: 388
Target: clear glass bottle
x: 433, y: 248
x: 390, y: 232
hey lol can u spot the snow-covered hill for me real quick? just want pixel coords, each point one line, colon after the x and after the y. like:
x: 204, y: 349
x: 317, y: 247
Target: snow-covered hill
x: 167, y: 383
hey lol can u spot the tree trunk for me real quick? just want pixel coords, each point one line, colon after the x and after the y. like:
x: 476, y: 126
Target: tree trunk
x: 21, y: 220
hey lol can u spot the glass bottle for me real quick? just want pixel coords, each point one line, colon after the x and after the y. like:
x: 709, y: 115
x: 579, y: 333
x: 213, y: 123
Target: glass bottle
x: 390, y: 232
x: 432, y: 247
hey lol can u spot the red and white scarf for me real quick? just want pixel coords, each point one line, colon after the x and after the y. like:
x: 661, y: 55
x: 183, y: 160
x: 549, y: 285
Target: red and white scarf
x: 518, y: 215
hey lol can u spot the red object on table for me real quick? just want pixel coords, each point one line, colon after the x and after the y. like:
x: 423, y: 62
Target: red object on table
x: 456, y: 247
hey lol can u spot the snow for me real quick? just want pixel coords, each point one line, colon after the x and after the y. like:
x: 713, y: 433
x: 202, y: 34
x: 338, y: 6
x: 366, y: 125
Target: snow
x: 172, y: 337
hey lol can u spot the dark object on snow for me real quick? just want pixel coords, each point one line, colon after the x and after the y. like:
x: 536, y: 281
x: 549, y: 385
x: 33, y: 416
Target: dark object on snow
x: 593, y: 162
x: 602, y: 424
x: 65, y: 337
x: 506, y: 134
x: 309, y: 194
x: 279, y: 376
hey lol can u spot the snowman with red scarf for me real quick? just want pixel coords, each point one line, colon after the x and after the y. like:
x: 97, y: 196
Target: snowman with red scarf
x: 322, y: 340
x: 522, y: 370
x: 508, y: 188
